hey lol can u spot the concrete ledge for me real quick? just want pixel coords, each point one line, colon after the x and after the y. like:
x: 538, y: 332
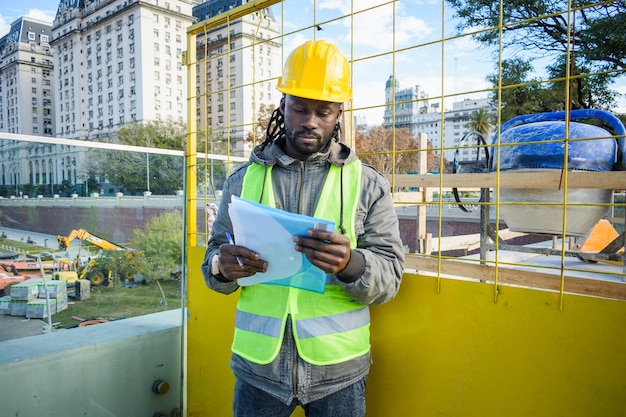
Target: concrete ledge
x: 106, y: 369
x: 66, y: 340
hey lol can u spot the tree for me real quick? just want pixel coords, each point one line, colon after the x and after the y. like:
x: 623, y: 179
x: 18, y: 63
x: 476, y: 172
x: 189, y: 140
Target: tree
x: 376, y: 148
x: 480, y: 121
x: 590, y: 39
x: 136, y: 171
x: 154, y: 134
x: 264, y: 115
x: 521, y: 94
x: 212, y: 174
x: 161, y: 242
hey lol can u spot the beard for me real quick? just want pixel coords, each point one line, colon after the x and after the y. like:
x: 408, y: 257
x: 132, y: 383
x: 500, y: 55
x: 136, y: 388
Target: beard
x: 309, y: 147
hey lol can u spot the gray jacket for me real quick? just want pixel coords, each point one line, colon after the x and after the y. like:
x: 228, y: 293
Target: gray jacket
x: 372, y: 276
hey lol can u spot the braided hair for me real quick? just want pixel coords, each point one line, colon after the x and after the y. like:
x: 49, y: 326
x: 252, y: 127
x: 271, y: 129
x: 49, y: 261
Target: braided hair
x: 276, y: 128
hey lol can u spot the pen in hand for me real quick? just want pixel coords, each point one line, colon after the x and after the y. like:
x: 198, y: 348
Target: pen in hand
x: 230, y: 240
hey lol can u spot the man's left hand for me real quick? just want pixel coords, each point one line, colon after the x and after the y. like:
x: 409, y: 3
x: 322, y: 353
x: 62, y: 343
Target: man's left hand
x: 329, y: 251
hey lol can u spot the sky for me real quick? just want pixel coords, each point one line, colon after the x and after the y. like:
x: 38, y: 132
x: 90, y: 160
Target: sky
x: 461, y: 74
x: 11, y: 10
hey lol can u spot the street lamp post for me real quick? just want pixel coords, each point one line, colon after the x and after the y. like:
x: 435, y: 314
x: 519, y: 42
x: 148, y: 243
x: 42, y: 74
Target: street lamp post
x: 147, y: 171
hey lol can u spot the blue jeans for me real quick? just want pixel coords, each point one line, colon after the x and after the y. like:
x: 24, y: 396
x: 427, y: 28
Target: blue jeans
x: 252, y: 402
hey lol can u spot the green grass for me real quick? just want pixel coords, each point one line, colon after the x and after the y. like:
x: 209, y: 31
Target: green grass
x: 115, y: 302
x: 120, y: 302
x: 18, y: 246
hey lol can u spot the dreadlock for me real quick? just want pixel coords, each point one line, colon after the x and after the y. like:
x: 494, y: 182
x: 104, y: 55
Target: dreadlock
x: 276, y: 126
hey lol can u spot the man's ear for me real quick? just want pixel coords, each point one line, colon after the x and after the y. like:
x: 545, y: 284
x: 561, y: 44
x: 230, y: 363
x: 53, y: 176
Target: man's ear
x: 281, y: 106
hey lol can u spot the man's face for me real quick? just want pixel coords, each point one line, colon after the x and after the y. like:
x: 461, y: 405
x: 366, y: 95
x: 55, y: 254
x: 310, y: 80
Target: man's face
x: 309, y: 125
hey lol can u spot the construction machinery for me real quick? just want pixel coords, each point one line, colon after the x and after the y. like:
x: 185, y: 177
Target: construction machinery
x: 9, y: 279
x: 91, y: 270
x: 82, y: 234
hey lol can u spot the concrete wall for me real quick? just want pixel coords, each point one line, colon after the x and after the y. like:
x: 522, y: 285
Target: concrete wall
x: 117, y: 219
x: 113, y: 219
x: 100, y: 370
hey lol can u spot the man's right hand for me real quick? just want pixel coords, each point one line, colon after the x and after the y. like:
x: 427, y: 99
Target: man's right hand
x: 236, y: 262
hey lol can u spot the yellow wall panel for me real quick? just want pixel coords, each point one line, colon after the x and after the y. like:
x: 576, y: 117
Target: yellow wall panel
x: 452, y: 353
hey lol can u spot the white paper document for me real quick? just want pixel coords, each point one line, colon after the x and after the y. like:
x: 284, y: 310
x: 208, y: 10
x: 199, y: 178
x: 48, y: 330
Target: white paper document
x: 269, y: 231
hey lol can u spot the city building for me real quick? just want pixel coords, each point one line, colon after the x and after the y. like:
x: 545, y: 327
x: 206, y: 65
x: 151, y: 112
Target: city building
x: 414, y: 111
x: 118, y: 61
x: 26, y: 102
x: 229, y: 90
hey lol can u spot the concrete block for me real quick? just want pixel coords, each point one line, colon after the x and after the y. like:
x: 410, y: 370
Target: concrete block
x: 25, y: 291
x: 5, y: 304
x: 55, y: 288
x: 18, y: 308
x: 61, y: 303
x: 37, y: 308
x: 82, y: 289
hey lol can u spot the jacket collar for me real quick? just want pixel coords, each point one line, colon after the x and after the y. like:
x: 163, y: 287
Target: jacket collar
x: 338, y: 153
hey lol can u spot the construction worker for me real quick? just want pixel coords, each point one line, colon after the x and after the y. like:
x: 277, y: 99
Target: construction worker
x: 294, y: 347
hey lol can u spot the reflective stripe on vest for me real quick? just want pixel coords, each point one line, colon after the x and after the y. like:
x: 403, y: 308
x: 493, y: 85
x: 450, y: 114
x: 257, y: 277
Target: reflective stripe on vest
x: 328, y: 328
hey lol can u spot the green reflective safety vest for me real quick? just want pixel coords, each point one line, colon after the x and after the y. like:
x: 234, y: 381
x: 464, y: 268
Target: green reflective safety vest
x: 328, y: 328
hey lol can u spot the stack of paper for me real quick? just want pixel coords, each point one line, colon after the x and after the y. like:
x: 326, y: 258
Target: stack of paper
x: 269, y: 231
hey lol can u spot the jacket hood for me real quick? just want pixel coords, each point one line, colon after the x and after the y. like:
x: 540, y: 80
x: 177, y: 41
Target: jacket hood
x: 338, y: 153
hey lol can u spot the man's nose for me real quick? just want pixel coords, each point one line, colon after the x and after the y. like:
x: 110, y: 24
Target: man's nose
x: 309, y: 121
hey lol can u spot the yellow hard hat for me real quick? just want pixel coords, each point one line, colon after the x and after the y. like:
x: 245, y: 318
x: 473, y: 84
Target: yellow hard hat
x: 316, y: 70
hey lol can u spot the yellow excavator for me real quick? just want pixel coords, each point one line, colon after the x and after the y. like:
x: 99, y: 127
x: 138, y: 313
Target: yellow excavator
x: 91, y: 270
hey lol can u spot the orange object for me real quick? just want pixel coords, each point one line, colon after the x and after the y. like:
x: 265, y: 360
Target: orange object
x: 598, y: 238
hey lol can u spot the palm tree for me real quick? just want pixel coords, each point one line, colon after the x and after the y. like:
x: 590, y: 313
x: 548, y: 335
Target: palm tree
x: 480, y: 121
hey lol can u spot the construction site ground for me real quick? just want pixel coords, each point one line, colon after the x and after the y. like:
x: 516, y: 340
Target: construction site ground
x: 16, y: 327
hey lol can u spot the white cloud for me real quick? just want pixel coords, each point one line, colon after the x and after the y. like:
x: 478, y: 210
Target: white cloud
x: 374, y: 28
x: 43, y: 15
x: 4, y: 25
x: 38, y: 14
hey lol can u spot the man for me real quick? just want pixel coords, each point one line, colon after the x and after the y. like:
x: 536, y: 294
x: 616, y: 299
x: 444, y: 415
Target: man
x: 294, y: 347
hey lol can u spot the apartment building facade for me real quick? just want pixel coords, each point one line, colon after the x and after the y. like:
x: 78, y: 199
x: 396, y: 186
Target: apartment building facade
x: 411, y: 109
x: 26, y: 102
x: 236, y: 71
x: 118, y: 61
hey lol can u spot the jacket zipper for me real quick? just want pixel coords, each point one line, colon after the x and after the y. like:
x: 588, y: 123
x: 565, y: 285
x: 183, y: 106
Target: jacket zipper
x: 300, y: 193
x: 294, y: 373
